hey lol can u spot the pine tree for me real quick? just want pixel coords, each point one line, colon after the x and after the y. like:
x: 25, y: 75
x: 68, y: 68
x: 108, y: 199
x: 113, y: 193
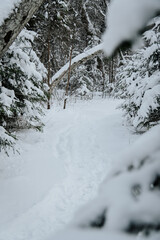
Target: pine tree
x: 139, y: 81
x: 22, y: 89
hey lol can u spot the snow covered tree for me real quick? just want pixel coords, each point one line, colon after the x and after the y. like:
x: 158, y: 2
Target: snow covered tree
x: 84, y: 33
x: 14, y: 16
x: 21, y: 90
x: 139, y: 81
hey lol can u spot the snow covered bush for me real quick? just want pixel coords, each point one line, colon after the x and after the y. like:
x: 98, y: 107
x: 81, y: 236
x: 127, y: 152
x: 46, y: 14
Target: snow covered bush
x: 21, y: 87
x: 139, y: 81
x: 127, y: 206
x: 80, y: 83
x: 7, y: 140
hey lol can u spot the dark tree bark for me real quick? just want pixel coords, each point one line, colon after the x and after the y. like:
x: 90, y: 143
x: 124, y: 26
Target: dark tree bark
x: 49, y: 70
x: 16, y: 21
x: 69, y: 73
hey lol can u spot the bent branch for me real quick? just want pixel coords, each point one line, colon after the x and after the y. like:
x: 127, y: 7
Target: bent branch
x: 75, y: 62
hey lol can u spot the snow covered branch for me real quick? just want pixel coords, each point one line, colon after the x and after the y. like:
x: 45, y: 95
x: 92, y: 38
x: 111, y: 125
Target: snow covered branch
x: 126, y: 19
x: 14, y: 16
x: 75, y: 62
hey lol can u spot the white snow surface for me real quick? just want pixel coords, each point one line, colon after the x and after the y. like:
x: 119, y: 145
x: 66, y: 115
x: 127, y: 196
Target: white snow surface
x: 6, y: 8
x: 125, y: 18
x: 60, y: 169
x: 125, y: 197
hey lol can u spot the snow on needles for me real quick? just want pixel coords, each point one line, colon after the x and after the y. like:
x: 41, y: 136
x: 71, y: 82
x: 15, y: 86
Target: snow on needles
x: 6, y: 7
x: 125, y: 19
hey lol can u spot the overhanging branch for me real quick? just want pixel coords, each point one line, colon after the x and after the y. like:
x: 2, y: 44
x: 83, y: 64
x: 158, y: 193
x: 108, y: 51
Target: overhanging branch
x: 75, y: 62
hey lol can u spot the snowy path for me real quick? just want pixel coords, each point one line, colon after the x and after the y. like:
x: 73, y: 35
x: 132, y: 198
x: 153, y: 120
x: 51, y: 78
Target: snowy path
x: 59, y: 169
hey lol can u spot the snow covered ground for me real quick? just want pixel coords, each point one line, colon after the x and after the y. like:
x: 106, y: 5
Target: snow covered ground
x: 60, y: 169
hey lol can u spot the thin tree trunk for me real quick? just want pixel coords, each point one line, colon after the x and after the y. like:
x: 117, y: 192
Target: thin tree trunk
x: 49, y: 72
x: 111, y: 74
x: 109, y: 70
x: 69, y: 73
x: 104, y: 78
x: 112, y: 70
x: 101, y: 68
x: 122, y: 58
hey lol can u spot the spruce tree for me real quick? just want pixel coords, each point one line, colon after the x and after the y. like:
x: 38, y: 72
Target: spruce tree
x: 22, y: 88
x: 139, y: 81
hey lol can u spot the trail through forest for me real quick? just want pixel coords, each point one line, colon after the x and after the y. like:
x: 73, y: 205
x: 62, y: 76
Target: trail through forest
x: 60, y: 169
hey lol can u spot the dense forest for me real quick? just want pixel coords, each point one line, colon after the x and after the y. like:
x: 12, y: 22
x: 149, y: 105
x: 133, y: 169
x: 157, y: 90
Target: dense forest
x: 80, y: 111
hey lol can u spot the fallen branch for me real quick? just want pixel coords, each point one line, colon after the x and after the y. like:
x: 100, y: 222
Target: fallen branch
x: 75, y: 62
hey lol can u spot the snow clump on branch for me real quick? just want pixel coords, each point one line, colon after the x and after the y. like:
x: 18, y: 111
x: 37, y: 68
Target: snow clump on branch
x: 125, y: 19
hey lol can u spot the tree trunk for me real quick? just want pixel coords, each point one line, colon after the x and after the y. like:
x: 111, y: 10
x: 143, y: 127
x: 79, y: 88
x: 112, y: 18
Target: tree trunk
x: 104, y: 79
x: 49, y: 71
x: 69, y: 73
x: 16, y: 21
x: 111, y: 70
